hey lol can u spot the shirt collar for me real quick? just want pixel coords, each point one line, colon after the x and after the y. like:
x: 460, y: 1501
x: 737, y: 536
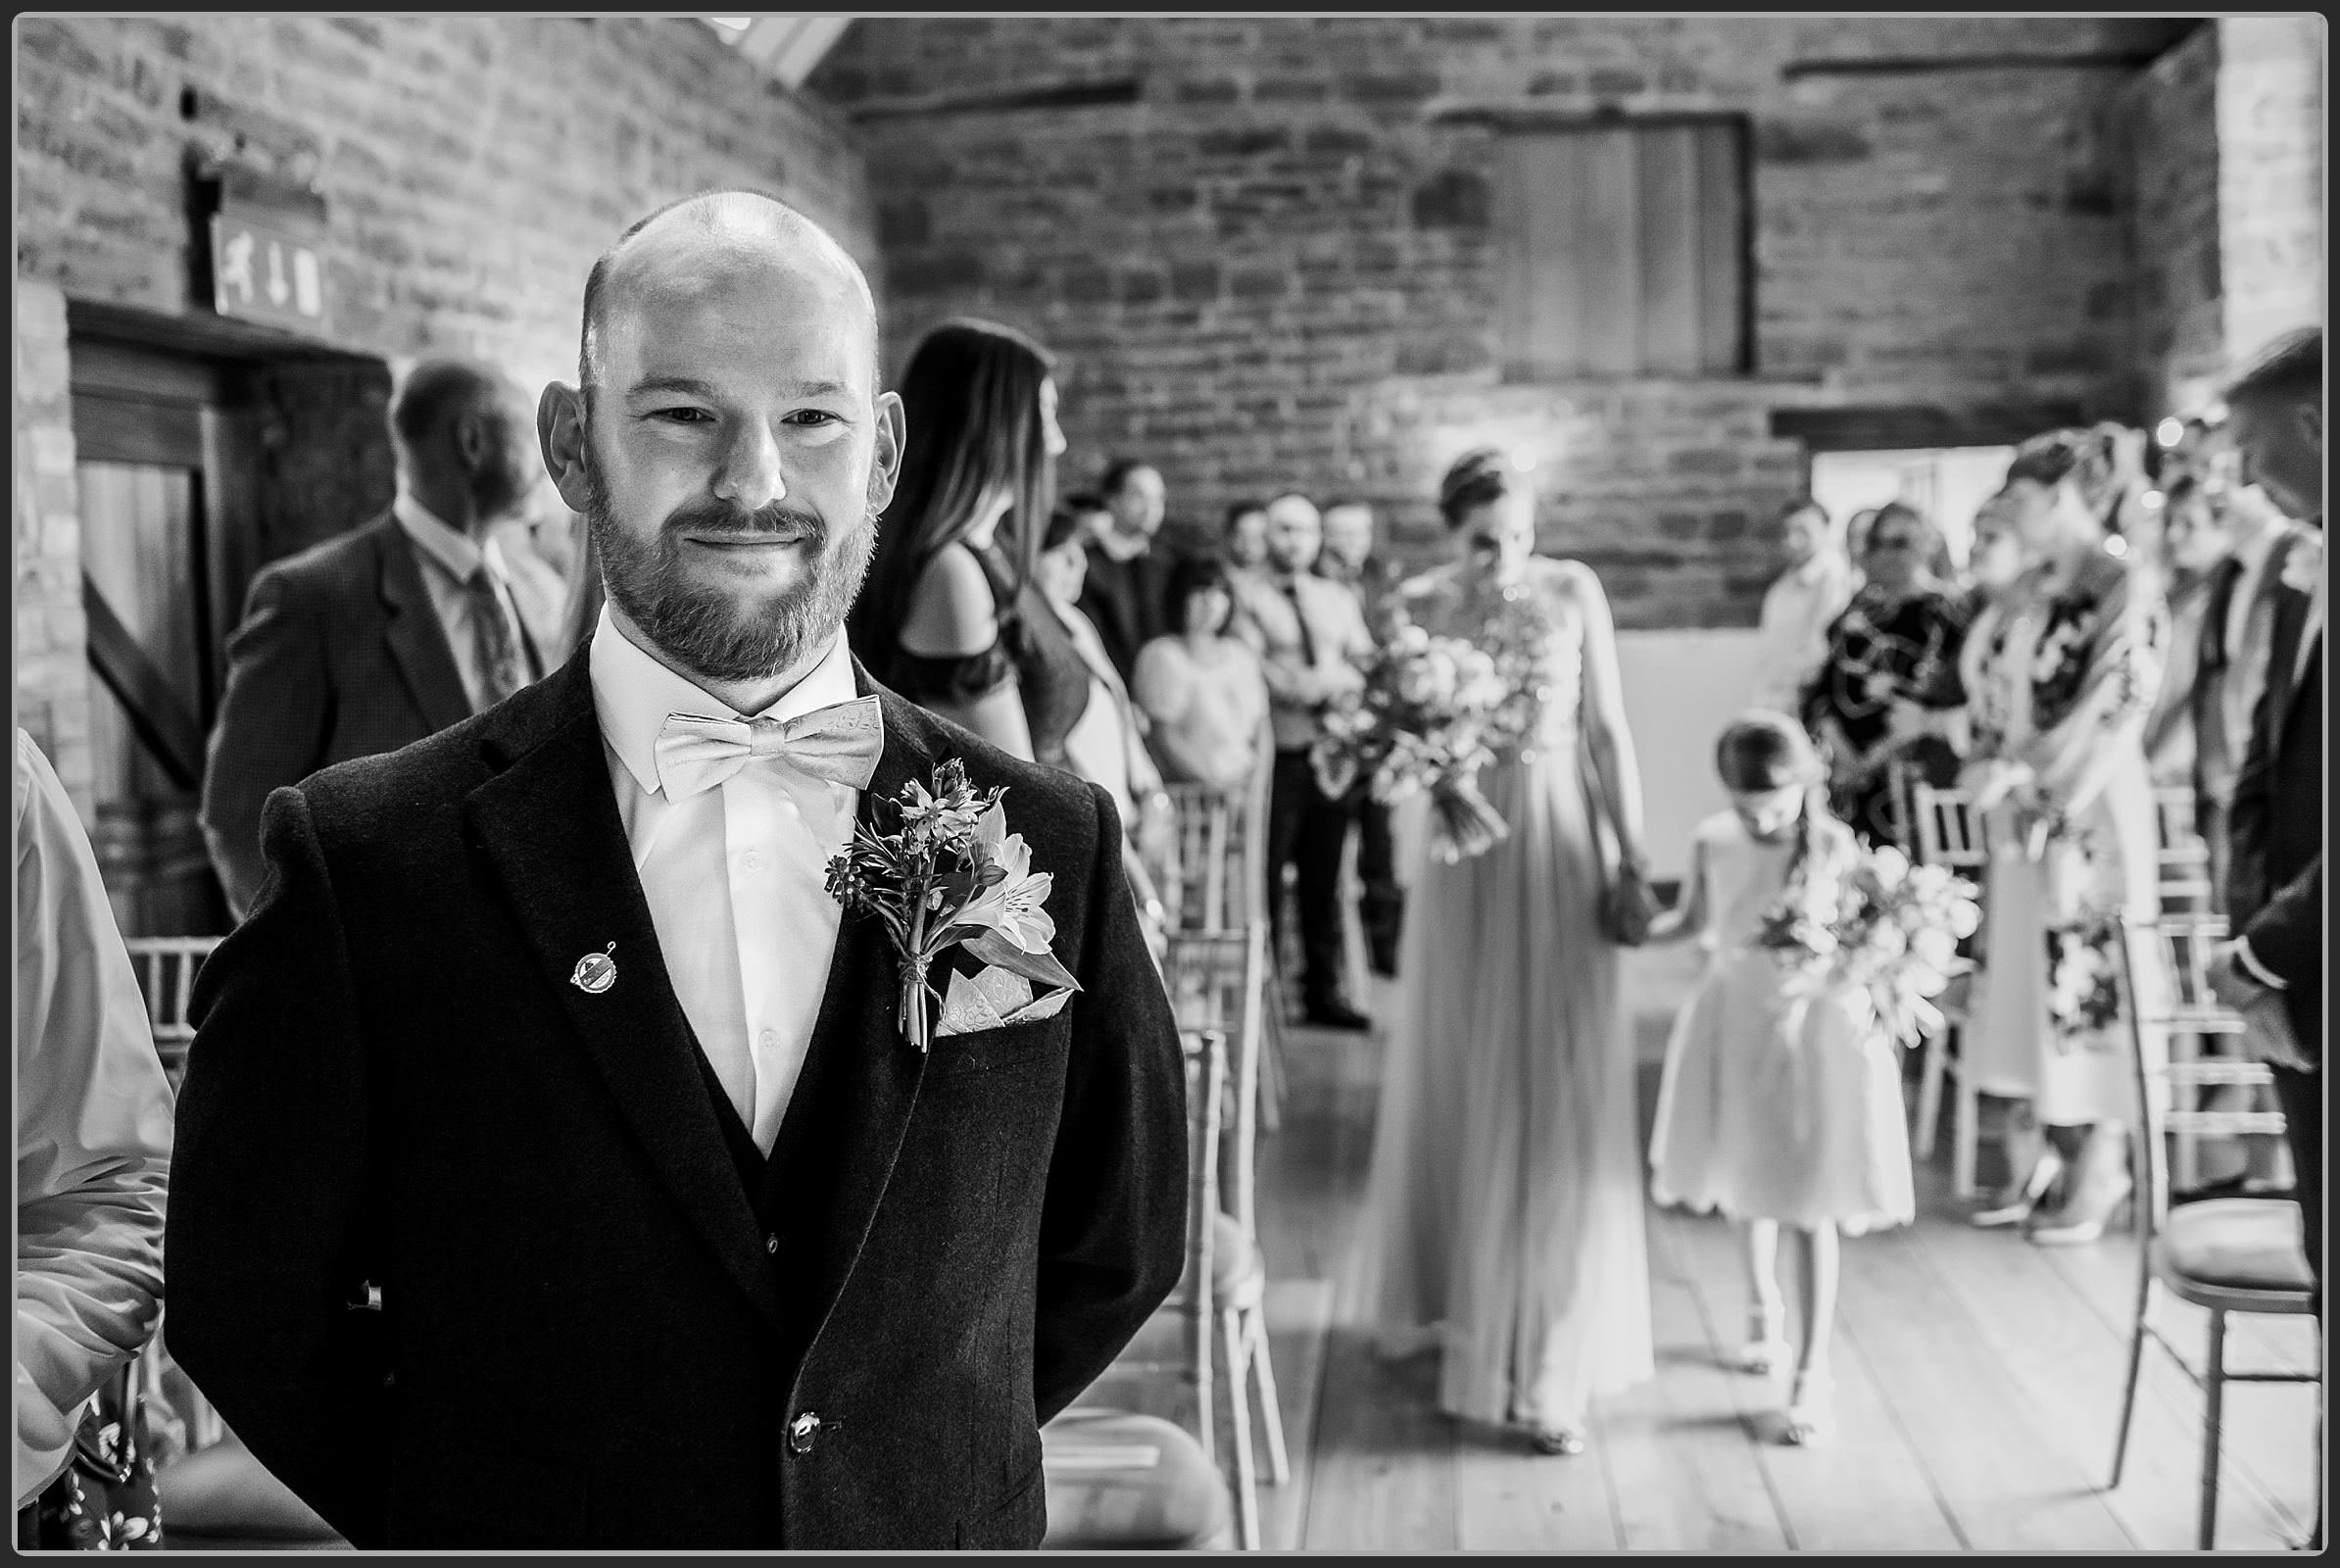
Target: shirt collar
x: 633, y: 693
x: 457, y: 552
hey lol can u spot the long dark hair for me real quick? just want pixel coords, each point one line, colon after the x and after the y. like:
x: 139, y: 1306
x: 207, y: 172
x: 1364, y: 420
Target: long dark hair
x: 1766, y: 751
x: 971, y: 404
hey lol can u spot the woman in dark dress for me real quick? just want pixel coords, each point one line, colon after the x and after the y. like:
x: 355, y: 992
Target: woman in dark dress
x: 1898, y: 639
x: 942, y: 616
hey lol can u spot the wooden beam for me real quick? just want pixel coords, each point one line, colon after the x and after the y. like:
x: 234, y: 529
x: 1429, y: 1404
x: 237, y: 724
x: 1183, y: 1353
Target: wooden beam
x: 1921, y: 427
x: 1919, y: 64
x: 156, y: 711
x: 1058, y: 95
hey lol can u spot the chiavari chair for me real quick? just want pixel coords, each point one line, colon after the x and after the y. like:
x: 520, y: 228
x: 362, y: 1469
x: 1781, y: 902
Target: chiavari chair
x: 1945, y: 829
x: 2226, y: 1256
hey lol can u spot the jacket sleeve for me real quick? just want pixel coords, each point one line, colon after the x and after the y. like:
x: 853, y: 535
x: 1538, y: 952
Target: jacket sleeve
x: 270, y: 731
x: 1112, y: 1229
x: 2247, y: 818
x: 267, y: 1242
x: 93, y: 1133
x: 2287, y: 935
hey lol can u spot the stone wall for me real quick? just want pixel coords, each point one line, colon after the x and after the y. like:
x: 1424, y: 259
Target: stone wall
x: 1263, y: 247
x: 2180, y: 288
x: 52, y: 670
x: 2270, y: 176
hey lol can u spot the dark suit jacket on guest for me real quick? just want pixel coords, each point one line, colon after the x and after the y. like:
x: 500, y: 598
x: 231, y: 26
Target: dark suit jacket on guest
x: 339, y: 655
x: 592, y: 1332
x: 1127, y: 601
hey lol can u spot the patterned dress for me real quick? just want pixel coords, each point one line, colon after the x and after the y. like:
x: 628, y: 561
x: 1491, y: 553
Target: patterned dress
x: 2059, y: 678
x: 1504, y: 1209
x: 1880, y: 649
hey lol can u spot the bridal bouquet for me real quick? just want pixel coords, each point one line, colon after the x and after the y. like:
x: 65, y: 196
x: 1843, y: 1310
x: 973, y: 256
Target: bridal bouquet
x: 1882, y: 924
x: 950, y: 875
x: 1426, y: 718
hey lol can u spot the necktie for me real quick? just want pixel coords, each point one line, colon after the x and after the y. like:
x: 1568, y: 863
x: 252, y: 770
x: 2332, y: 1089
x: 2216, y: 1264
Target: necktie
x: 840, y: 743
x: 1292, y: 596
x: 496, y: 652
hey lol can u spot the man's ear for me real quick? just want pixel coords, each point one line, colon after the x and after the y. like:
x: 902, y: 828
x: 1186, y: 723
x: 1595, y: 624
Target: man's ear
x: 2311, y: 421
x: 561, y: 435
x: 885, y: 463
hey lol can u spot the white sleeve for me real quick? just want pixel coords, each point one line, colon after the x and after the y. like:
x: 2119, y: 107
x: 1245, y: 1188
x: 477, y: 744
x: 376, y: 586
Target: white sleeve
x: 93, y: 1132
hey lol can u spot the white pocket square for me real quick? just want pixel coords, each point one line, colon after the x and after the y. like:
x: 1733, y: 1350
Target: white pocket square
x: 992, y: 1000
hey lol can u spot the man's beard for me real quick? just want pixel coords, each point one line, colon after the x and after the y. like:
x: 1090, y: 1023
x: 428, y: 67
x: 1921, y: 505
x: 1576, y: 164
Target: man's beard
x: 703, y: 627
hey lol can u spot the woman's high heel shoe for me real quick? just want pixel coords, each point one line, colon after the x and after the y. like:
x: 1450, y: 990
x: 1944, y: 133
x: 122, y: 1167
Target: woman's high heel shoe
x: 2085, y: 1218
x: 1767, y: 1349
x: 2015, y: 1207
x: 1811, y: 1409
x: 1560, y: 1441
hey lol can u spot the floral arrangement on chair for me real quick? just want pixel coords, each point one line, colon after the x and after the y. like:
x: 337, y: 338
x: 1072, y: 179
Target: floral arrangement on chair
x: 1429, y: 718
x: 1882, y: 924
x: 2084, y: 977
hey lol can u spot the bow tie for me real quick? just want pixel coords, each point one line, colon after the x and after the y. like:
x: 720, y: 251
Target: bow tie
x: 839, y: 743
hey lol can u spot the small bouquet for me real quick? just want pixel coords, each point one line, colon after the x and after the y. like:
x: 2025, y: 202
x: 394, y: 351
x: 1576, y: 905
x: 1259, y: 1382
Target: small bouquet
x: 951, y: 875
x: 2084, y: 978
x: 1882, y: 924
x: 1426, y: 718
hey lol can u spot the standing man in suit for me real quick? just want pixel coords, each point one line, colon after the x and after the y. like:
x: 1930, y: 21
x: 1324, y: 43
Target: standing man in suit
x: 553, y: 1171
x: 2275, y: 894
x: 1311, y: 639
x: 1349, y: 559
x: 372, y: 640
x: 1126, y: 594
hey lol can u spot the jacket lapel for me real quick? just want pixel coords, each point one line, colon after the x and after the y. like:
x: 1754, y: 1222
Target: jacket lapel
x: 417, y: 642
x: 548, y: 825
x: 845, y: 1122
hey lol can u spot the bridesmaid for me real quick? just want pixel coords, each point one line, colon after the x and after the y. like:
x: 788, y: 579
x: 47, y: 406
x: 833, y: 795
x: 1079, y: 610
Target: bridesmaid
x: 2061, y: 673
x: 1504, y: 1209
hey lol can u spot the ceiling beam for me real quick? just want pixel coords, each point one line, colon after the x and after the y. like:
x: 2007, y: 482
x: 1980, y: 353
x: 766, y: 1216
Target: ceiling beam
x: 788, y: 47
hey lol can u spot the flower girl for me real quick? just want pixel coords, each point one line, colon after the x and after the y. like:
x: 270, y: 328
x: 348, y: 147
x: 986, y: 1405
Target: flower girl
x: 1781, y: 1104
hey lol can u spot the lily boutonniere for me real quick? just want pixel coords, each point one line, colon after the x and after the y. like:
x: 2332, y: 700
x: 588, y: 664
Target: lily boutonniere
x: 950, y: 875
x: 2303, y: 567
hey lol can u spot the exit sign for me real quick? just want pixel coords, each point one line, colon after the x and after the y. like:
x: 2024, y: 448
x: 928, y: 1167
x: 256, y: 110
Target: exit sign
x: 265, y: 272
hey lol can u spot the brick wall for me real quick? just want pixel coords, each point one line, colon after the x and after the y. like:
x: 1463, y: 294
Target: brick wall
x: 471, y: 168
x: 52, y: 690
x: 1274, y: 267
x: 2270, y: 176
x: 2181, y: 291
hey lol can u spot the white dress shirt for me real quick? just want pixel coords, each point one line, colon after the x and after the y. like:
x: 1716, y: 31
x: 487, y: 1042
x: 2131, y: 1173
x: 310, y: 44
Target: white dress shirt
x: 93, y: 1133
x: 1793, y: 633
x: 1268, y: 621
x: 749, y: 966
x: 450, y: 559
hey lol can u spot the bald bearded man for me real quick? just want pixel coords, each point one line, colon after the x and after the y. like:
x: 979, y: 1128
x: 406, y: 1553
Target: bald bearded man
x: 551, y: 1170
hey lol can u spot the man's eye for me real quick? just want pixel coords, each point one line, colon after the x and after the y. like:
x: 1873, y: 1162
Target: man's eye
x: 812, y: 418
x: 683, y: 416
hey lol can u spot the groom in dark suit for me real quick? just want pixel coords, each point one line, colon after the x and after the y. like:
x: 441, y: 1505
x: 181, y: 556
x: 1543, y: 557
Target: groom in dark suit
x: 552, y: 1172
x: 2277, y: 898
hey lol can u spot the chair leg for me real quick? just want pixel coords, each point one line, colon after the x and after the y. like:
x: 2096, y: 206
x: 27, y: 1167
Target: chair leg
x: 1271, y: 1413
x: 2213, y: 1387
x: 2136, y: 1361
x: 1239, y: 1423
x: 1205, y: 1427
x: 1965, y: 1131
x: 1929, y: 1094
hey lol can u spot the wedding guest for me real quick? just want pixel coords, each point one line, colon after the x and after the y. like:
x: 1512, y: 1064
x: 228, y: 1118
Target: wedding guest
x: 1202, y: 686
x: 1348, y: 557
x: 1105, y: 746
x: 2194, y: 542
x: 2276, y: 884
x: 94, y: 1160
x: 1311, y: 639
x: 1780, y: 1108
x: 1898, y: 640
x: 2061, y: 675
x: 943, y: 618
x: 1793, y: 630
x: 1127, y: 575
x: 2246, y: 596
x: 1245, y: 536
x: 375, y: 639
x: 554, y: 1172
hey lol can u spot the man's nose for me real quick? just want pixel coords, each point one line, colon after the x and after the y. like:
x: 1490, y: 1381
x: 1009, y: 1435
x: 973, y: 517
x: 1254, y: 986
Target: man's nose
x: 750, y: 477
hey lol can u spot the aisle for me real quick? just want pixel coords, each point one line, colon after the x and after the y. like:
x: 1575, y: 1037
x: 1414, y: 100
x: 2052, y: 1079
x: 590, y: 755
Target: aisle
x: 1978, y: 1387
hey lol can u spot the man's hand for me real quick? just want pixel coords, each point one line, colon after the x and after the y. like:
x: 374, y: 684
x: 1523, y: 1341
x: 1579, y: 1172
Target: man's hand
x: 2230, y: 982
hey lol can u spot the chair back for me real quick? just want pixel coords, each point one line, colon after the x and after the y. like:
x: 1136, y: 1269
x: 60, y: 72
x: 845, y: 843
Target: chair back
x: 1949, y: 830
x: 1218, y: 881
x: 2180, y: 858
x: 166, y: 967
x: 2171, y: 958
x: 1218, y: 983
